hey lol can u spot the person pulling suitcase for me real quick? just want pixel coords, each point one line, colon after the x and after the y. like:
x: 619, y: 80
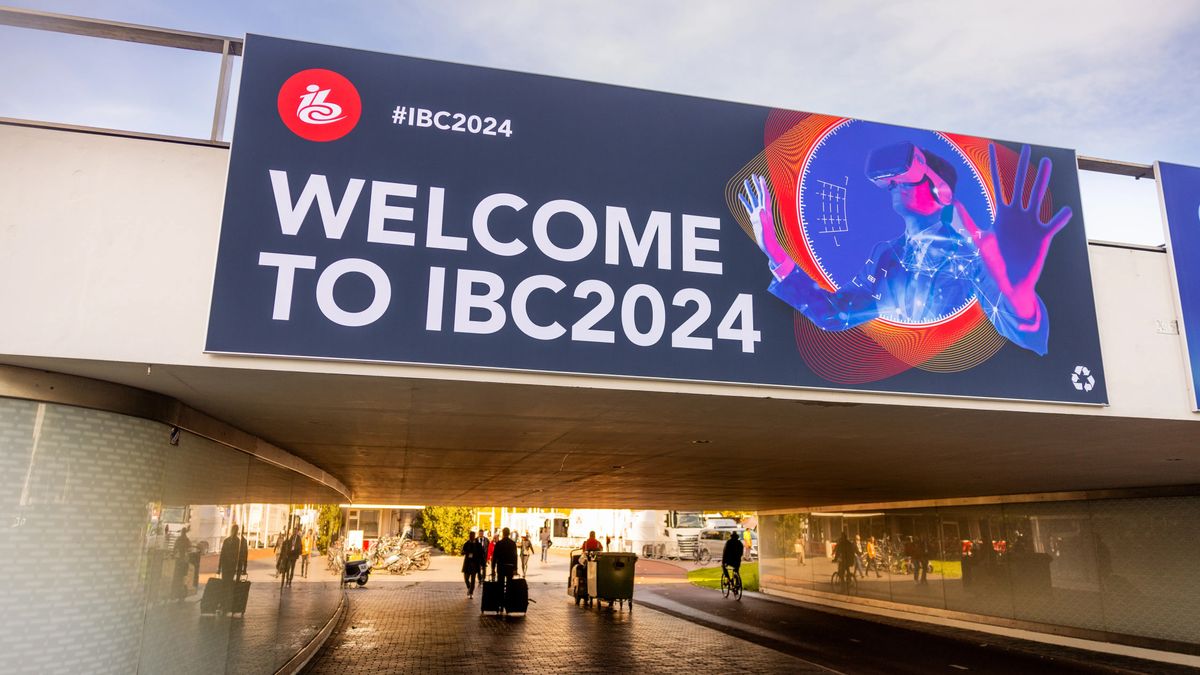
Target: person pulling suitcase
x: 504, y: 567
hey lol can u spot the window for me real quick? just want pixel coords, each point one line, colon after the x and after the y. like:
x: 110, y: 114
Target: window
x: 368, y: 520
x: 559, y: 527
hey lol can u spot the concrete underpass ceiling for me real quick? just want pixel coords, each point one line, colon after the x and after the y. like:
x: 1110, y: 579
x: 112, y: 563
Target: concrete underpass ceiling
x: 399, y: 440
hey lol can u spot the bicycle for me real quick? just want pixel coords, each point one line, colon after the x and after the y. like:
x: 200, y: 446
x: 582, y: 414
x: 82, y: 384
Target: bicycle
x: 845, y: 580
x: 731, y: 583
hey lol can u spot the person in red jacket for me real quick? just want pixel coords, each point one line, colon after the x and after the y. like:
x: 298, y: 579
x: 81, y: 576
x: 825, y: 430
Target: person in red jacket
x: 592, y: 543
x: 491, y: 550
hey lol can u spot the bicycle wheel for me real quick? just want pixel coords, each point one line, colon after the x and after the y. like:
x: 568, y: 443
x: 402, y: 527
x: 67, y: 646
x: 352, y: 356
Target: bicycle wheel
x: 725, y: 585
x: 736, y: 583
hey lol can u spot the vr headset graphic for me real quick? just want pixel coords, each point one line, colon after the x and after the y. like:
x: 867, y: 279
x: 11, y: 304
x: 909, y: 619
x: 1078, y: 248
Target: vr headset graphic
x: 906, y: 164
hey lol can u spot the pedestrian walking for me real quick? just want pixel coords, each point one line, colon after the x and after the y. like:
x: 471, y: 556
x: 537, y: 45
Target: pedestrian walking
x: 860, y: 565
x: 491, y: 551
x: 231, y: 566
x: 504, y: 558
x: 526, y: 552
x: 279, y: 557
x: 183, y: 554
x: 872, y: 557
x: 306, y: 545
x: 920, y: 561
x: 290, y: 553
x: 485, y: 545
x: 473, y: 559
x: 546, y: 541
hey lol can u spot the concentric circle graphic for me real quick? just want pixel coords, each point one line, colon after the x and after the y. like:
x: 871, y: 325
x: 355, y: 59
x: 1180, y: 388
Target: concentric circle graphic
x: 843, y: 215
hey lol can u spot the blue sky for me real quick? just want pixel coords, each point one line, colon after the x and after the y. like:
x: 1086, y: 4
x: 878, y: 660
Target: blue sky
x: 1117, y: 80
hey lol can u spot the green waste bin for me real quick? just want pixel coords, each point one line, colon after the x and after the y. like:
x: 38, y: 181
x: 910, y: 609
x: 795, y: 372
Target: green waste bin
x: 610, y: 577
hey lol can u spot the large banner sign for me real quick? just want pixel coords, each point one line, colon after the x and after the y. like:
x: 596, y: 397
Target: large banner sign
x: 384, y: 208
x: 1179, y: 192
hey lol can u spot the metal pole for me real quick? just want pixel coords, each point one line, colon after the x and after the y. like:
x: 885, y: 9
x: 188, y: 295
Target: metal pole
x: 219, y: 111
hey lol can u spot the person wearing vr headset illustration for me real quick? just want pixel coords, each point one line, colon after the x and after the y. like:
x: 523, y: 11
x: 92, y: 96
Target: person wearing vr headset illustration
x: 940, y: 262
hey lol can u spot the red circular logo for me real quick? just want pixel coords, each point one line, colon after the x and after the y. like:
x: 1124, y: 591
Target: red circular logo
x: 319, y: 105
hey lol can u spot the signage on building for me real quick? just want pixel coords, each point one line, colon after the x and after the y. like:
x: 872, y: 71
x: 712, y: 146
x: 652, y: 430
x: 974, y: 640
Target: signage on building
x: 1179, y: 192
x: 384, y: 208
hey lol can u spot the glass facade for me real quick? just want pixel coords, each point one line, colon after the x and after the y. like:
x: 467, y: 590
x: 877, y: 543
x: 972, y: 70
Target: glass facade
x: 1117, y: 565
x: 112, y: 533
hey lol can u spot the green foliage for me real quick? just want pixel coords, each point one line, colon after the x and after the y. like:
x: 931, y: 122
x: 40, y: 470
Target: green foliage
x: 329, y: 524
x: 785, y: 530
x: 710, y: 577
x: 447, y: 527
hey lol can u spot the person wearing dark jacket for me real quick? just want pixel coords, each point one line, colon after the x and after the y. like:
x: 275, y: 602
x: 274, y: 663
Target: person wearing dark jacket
x: 183, y: 555
x: 485, y: 544
x: 231, y: 564
x: 291, y: 553
x: 504, y: 558
x: 473, y: 560
x: 732, y: 555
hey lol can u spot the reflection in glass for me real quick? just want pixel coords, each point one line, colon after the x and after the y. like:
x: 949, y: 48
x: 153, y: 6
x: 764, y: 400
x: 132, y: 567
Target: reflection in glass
x: 1121, y: 566
x: 127, y: 531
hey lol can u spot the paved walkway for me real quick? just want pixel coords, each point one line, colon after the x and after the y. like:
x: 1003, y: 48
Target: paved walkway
x: 423, y: 622
x: 852, y: 642
x: 432, y: 627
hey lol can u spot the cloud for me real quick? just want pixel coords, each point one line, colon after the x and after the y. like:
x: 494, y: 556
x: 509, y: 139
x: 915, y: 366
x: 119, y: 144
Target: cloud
x: 1112, y: 79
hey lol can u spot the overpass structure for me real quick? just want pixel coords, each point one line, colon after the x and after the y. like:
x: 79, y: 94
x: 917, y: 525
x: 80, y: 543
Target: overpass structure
x: 109, y: 240
x: 112, y: 243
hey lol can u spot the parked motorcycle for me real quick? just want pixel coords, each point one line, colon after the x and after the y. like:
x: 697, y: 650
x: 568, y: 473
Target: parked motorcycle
x: 356, y: 571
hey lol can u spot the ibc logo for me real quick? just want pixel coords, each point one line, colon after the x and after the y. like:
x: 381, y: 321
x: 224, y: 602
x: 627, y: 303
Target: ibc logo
x: 319, y: 105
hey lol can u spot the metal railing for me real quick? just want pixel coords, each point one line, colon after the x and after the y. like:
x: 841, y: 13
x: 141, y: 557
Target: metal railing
x: 229, y: 47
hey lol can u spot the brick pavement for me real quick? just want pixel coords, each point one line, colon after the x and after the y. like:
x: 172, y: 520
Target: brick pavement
x: 430, y: 626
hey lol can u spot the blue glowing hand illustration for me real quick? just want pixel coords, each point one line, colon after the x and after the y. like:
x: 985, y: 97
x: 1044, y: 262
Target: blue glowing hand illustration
x: 1015, y: 249
x: 757, y: 202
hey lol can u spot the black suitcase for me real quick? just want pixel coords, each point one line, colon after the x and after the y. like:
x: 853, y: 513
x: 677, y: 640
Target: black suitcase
x: 516, y: 596
x: 493, y: 596
x: 241, y: 592
x: 214, y: 595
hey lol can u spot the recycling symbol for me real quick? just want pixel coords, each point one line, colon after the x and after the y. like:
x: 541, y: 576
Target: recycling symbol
x: 1082, y: 379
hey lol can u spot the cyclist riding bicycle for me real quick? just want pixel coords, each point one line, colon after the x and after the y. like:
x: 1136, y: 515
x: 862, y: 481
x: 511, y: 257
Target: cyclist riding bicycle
x: 732, y: 555
x: 844, y: 555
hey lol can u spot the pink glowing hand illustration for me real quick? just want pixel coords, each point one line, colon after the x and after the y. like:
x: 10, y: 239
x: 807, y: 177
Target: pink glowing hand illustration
x: 1015, y: 249
x: 757, y: 202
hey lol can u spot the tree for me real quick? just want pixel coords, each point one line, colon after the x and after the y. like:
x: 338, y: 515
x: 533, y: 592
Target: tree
x: 447, y: 527
x: 329, y: 524
x: 786, y: 529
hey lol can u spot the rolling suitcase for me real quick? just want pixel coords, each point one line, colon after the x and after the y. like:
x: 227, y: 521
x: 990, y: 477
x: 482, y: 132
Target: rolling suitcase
x: 516, y: 596
x: 241, y: 592
x: 214, y: 592
x: 493, y: 597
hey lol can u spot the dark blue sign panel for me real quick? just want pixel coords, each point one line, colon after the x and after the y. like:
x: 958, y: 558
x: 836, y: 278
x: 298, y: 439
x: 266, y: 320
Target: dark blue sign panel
x: 1179, y: 187
x: 385, y: 208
